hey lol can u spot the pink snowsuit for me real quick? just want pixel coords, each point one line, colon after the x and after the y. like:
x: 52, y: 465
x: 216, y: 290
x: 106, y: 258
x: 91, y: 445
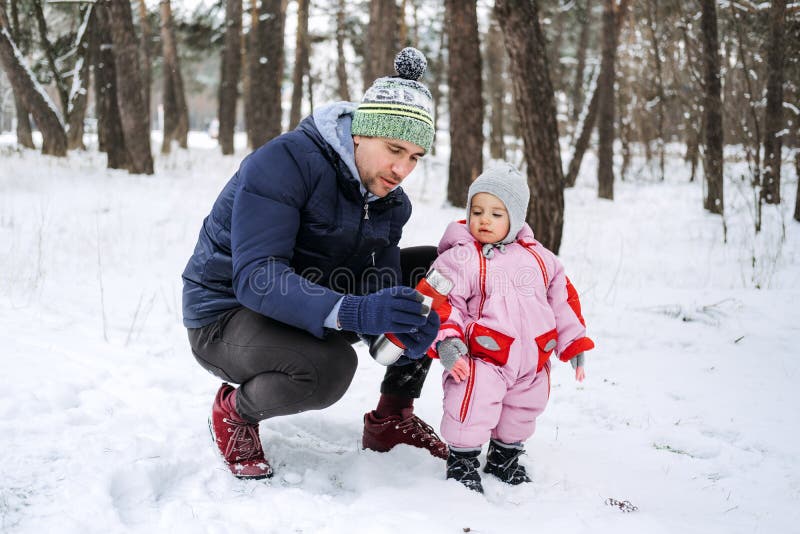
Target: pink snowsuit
x: 511, y: 311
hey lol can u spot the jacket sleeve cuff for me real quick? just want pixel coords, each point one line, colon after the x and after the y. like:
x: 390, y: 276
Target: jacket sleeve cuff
x: 332, y: 320
x: 348, y: 313
x: 576, y: 347
x: 445, y: 330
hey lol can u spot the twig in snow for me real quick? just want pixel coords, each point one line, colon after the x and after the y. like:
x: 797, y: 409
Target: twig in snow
x: 625, y: 506
x: 100, y: 278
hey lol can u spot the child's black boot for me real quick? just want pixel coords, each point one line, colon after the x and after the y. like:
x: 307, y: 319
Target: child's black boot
x: 502, y: 460
x: 463, y: 466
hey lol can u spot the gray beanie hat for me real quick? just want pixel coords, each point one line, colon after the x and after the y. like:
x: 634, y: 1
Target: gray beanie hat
x: 398, y: 107
x: 504, y: 181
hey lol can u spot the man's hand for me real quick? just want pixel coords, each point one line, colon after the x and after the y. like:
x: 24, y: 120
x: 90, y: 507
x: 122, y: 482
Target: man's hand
x: 395, y: 309
x: 418, y: 342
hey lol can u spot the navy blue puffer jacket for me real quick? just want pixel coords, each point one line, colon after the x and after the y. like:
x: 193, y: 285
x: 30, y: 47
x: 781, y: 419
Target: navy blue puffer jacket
x: 289, y: 234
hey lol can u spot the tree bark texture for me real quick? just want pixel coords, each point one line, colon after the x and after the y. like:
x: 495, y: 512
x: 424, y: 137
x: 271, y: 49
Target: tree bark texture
x: 109, y: 125
x: 34, y: 99
x: 797, y: 175
x: 78, y: 93
x: 536, y: 108
x: 341, y: 70
x: 229, y: 76
x: 147, y: 63
x: 712, y: 105
x: 249, y: 42
x: 465, y: 99
x: 176, y: 112
x: 301, y: 66
x: 605, y: 105
x: 438, y: 67
x: 265, y: 63
x: 495, y: 60
x: 652, y: 25
x: 773, y: 115
x: 584, y: 16
x: 24, y: 134
x: 590, y: 117
x: 49, y: 52
x: 382, y: 40
x: 133, y: 114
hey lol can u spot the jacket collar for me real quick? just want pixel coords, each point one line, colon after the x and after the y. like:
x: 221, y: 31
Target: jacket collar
x: 329, y: 128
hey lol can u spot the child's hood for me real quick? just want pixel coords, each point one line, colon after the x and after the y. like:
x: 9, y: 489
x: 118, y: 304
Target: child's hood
x: 457, y: 233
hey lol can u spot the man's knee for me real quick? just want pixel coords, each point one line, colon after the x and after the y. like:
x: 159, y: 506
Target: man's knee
x: 313, y: 383
x: 335, y: 377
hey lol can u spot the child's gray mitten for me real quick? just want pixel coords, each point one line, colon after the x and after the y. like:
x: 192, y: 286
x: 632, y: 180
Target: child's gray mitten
x: 450, y: 350
x: 577, y: 361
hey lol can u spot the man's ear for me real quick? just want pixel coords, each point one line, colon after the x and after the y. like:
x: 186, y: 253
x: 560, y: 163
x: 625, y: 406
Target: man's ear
x: 356, y: 139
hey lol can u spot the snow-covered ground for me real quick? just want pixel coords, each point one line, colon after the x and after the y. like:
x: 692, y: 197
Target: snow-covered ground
x: 689, y: 410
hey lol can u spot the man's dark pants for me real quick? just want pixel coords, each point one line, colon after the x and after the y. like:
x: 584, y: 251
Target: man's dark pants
x: 283, y: 370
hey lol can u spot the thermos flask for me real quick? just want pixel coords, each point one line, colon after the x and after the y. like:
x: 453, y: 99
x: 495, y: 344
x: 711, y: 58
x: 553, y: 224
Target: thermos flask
x: 386, y: 348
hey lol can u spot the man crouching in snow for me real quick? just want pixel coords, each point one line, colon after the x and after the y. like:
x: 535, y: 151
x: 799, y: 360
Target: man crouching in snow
x: 299, y: 256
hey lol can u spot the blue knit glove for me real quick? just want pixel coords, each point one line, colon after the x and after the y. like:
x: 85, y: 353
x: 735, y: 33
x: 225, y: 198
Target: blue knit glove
x: 418, y: 342
x: 393, y: 309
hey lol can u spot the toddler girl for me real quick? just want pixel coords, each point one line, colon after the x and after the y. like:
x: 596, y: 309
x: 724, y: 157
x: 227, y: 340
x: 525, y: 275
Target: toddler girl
x: 511, y: 307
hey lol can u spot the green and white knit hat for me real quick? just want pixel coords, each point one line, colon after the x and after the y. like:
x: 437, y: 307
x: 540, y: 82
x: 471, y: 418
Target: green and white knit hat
x: 398, y: 107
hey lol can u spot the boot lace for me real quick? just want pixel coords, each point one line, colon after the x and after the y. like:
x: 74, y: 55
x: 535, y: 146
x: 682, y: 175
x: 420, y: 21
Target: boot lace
x: 417, y: 426
x: 512, y: 461
x: 463, y: 466
x: 244, y: 441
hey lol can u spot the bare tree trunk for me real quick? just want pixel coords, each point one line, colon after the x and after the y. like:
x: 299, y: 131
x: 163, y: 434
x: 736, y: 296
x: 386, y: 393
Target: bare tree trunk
x: 713, y: 109
x: 249, y: 42
x: 495, y: 59
x: 652, y: 22
x: 797, y: 175
x: 49, y: 52
x: 402, y: 27
x: 585, y: 17
x: 144, y: 47
x: 438, y: 69
x: 382, y: 40
x: 24, y: 134
x: 536, y: 107
x: 773, y: 115
x: 554, y: 43
x: 605, y: 110
x: 129, y: 88
x: 341, y: 71
x: 624, y: 116
x: 109, y: 126
x: 265, y: 62
x: 30, y: 92
x: 229, y: 77
x: 590, y: 117
x: 78, y: 93
x: 693, y: 144
x: 300, y: 63
x: 176, y: 113
x: 465, y: 99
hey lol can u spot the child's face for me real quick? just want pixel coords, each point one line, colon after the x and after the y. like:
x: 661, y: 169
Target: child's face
x: 488, y: 218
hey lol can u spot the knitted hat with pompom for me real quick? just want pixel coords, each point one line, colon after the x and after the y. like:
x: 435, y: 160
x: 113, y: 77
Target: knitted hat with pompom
x: 398, y: 107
